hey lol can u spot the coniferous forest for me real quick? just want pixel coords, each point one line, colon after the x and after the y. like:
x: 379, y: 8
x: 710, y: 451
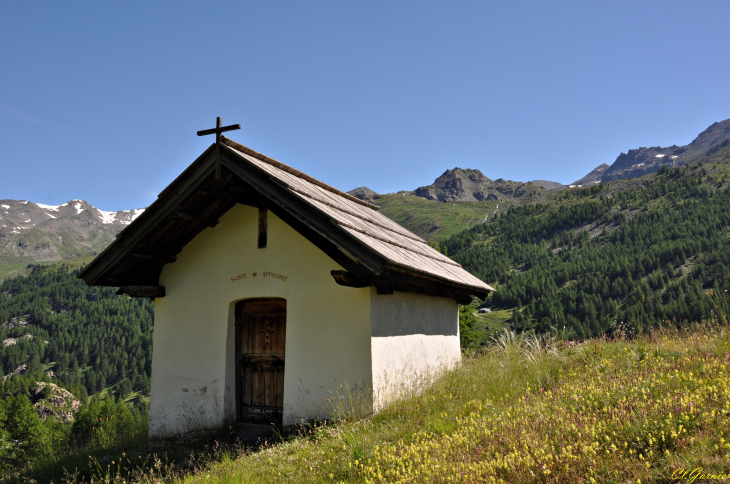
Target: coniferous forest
x: 63, y: 341
x: 91, y: 338
x: 594, y: 259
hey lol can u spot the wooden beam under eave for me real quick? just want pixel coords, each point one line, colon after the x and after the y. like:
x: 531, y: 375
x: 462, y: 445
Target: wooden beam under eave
x: 348, y: 279
x: 151, y: 292
x: 184, y: 216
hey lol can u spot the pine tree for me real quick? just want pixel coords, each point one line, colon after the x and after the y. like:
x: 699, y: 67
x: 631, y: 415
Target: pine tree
x: 34, y: 366
x: 25, y: 426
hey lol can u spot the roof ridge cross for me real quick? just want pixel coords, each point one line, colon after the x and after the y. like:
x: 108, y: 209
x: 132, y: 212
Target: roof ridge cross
x: 219, y: 128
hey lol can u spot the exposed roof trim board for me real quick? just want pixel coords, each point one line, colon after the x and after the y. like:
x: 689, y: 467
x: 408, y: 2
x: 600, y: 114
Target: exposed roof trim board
x: 365, y: 224
x: 244, y: 149
x: 177, y: 181
x: 276, y: 193
x: 182, y: 177
x: 426, y: 266
x: 391, y: 268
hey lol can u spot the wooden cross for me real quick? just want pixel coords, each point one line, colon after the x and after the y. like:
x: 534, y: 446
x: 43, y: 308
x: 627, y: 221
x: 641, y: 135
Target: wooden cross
x: 219, y: 128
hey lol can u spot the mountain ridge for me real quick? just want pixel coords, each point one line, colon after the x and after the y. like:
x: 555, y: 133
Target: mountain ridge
x: 468, y: 184
x: 35, y: 232
x: 642, y: 161
x: 593, y: 177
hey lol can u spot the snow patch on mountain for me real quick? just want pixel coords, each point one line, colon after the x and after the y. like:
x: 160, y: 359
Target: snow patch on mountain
x: 48, y: 207
x: 136, y: 213
x: 108, y: 217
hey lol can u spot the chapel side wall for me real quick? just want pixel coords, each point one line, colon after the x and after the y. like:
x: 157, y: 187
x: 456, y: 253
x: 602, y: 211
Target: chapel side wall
x: 414, y: 338
x: 327, y: 334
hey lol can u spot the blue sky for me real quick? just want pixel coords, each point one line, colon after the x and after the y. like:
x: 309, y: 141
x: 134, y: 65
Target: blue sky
x: 101, y: 100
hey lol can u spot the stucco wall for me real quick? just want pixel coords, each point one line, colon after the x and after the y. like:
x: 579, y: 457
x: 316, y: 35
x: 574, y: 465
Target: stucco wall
x: 414, y: 338
x: 327, y: 334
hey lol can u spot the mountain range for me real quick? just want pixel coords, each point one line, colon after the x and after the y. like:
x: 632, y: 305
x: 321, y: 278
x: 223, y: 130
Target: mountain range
x: 459, y: 198
x: 593, y: 177
x: 34, y: 232
x: 469, y: 185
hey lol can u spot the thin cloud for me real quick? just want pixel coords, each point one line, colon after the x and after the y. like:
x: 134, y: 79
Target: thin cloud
x: 32, y: 119
x: 24, y: 116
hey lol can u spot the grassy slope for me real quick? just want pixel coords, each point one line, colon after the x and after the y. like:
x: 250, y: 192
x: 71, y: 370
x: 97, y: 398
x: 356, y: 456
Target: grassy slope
x: 606, y: 411
x: 438, y: 220
x: 432, y: 219
x: 493, y: 322
x: 13, y: 270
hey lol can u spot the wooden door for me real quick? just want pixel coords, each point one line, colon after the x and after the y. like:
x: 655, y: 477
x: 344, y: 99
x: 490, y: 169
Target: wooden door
x: 260, y: 350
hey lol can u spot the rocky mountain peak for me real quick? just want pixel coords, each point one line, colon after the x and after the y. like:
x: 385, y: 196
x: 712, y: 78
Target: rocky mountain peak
x: 644, y: 160
x: 457, y: 185
x: 474, y: 176
x: 711, y: 140
x: 365, y: 194
x: 467, y: 185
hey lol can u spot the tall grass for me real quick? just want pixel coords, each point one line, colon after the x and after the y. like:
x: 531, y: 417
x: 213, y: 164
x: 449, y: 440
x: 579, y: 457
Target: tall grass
x: 721, y: 306
x: 531, y: 409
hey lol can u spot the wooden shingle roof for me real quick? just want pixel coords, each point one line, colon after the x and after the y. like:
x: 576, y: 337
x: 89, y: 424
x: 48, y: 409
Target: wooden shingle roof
x: 374, y: 250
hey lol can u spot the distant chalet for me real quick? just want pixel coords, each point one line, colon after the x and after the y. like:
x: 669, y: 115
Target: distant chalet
x: 273, y: 289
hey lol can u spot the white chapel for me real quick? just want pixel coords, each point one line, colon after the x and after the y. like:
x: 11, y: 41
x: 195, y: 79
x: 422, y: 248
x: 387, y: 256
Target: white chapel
x: 273, y: 290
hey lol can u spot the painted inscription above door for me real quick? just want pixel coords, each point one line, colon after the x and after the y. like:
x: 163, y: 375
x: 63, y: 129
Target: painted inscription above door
x: 254, y: 274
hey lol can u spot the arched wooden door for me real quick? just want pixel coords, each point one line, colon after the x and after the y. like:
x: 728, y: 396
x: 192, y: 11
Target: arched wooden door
x: 260, y: 357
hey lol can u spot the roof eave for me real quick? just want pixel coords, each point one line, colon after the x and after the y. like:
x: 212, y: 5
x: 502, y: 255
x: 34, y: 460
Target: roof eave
x: 393, y: 270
